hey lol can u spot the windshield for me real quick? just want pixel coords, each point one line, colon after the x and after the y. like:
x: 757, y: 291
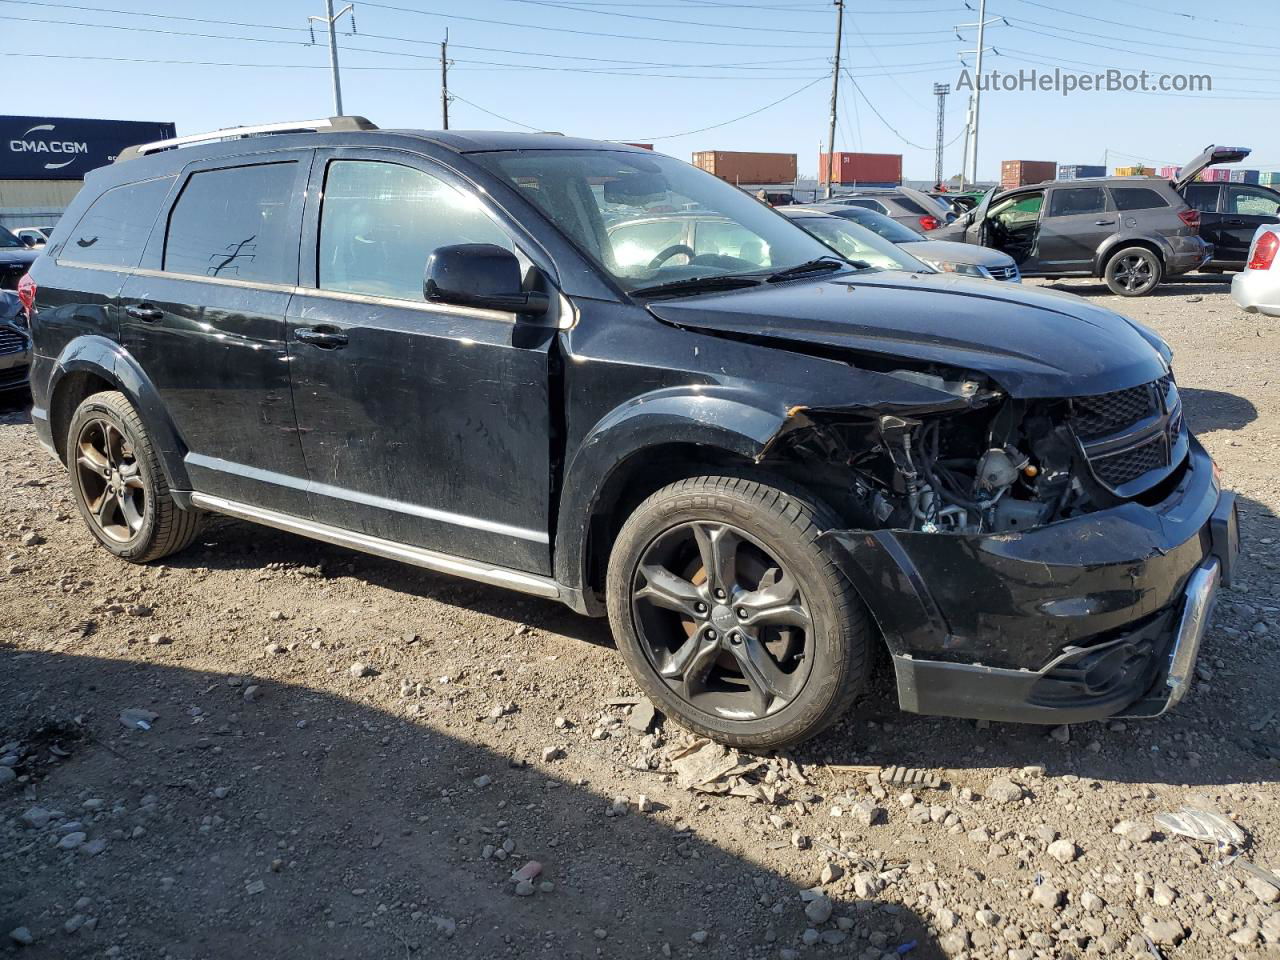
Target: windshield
x: 7, y: 239
x: 650, y: 220
x: 884, y: 226
x: 858, y: 243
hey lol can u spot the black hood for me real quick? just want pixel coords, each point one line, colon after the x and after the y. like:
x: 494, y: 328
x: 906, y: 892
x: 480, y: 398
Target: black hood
x: 1032, y: 342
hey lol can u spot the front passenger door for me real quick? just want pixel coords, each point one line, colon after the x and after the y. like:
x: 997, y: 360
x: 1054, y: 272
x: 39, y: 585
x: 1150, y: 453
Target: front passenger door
x: 422, y: 423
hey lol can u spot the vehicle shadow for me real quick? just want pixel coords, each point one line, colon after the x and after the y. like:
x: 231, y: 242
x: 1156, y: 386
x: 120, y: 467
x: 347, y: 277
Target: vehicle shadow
x: 297, y: 823
x: 1210, y: 410
x: 1184, y: 285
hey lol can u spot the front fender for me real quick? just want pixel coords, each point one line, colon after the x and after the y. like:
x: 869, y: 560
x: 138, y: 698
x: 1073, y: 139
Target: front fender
x: 710, y: 416
x: 102, y: 357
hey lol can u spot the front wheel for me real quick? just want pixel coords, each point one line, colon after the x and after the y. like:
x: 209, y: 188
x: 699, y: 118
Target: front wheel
x: 730, y: 615
x: 1133, y: 272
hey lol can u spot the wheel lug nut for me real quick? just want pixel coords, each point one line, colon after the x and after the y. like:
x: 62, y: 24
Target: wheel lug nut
x: 719, y: 594
x: 742, y: 613
x: 711, y: 634
x: 735, y: 638
x: 700, y: 607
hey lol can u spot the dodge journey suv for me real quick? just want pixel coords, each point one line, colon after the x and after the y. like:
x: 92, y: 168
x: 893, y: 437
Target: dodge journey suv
x: 760, y: 460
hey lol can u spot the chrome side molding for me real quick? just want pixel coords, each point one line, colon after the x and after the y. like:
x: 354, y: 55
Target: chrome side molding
x: 440, y: 562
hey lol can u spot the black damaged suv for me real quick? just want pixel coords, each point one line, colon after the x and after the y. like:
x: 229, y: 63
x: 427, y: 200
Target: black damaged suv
x: 759, y: 459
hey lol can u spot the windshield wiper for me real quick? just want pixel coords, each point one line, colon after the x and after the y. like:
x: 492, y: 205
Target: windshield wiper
x: 698, y: 285
x: 819, y: 265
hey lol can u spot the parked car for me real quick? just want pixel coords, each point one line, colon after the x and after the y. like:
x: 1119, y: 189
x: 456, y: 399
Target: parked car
x: 16, y: 258
x: 945, y: 255
x: 960, y: 202
x: 911, y: 207
x: 1132, y: 233
x: 423, y: 345
x: 855, y: 242
x: 32, y: 236
x: 15, y: 345
x: 1257, y: 289
x: 1230, y: 215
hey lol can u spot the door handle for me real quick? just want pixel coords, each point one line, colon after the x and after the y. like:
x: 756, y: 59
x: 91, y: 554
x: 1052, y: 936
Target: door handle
x: 1236, y: 223
x: 326, y: 338
x: 1103, y: 223
x: 144, y: 312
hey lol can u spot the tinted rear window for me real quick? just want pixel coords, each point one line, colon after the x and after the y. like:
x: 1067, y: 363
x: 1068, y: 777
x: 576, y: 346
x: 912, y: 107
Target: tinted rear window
x: 909, y: 205
x: 234, y: 224
x: 1137, y: 198
x: 115, y: 228
x: 1203, y: 196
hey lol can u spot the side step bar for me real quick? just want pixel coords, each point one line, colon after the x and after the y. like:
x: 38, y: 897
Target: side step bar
x: 440, y: 562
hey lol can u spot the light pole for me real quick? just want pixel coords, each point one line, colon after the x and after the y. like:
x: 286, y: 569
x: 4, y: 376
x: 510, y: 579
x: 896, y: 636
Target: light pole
x: 940, y: 90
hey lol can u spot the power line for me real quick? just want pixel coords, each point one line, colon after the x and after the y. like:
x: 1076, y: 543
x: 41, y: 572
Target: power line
x: 890, y: 126
x: 455, y: 96
x: 717, y: 126
x: 1150, y: 29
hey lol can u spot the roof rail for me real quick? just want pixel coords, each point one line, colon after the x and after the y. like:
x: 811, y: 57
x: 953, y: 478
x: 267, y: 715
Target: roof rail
x: 234, y: 133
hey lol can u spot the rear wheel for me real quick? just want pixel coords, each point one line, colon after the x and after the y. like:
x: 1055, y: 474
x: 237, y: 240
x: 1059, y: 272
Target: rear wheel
x: 731, y: 616
x: 1133, y: 272
x: 119, y: 487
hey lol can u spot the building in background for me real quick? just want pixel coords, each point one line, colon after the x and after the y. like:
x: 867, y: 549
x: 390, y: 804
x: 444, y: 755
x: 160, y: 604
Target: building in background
x: 43, y: 161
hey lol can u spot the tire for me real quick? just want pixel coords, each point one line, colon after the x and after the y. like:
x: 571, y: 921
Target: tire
x: 118, y: 485
x: 1133, y: 272
x: 820, y: 659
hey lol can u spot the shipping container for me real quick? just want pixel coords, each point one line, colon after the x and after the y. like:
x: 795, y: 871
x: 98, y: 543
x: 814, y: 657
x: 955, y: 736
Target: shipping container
x: 642, y: 146
x: 66, y: 148
x: 1170, y: 173
x: 861, y: 169
x: 1244, y: 176
x: 1017, y: 173
x: 747, y: 167
x: 1269, y: 178
x: 1075, y: 171
x: 1215, y: 175
x: 1135, y: 171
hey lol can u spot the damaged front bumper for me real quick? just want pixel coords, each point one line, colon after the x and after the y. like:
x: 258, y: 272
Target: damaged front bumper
x: 1096, y: 616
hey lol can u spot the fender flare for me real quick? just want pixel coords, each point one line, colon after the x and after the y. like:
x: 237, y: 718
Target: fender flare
x: 107, y: 359
x: 709, y: 417
x: 1118, y: 241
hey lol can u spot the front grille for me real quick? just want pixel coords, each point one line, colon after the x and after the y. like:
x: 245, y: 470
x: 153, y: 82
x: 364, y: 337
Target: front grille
x: 11, y: 341
x: 1130, y: 434
x: 13, y: 376
x: 1121, y: 468
x: 1108, y: 412
x: 10, y: 275
x: 1004, y: 273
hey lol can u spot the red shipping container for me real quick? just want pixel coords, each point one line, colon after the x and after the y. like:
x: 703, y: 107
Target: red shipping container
x: 855, y: 168
x: 747, y: 167
x: 1170, y: 173
x: 1017, y: 173
x: 1216, y: 175
x: 642, y: 146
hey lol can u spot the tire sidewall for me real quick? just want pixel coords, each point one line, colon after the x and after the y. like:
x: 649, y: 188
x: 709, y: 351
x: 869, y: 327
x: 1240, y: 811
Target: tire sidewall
x: 1157, y: 271
x: 95, y: 408
x: 831, y: 641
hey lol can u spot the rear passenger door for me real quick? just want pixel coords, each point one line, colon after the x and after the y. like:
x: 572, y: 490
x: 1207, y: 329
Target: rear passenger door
x: 1075, y: 223
x: 423, y: 423
x: 204, y: 315
x: 1247, y: 208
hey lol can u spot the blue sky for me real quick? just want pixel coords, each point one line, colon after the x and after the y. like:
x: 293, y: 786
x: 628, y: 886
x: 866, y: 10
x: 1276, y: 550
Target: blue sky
x: 654, y: 71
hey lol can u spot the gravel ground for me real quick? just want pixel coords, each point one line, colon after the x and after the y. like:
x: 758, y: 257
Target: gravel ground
x: 350, y: 758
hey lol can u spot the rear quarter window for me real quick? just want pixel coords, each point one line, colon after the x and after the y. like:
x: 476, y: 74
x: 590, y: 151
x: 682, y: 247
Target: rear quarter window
x: 114, y: 230
x: 1137, y: 198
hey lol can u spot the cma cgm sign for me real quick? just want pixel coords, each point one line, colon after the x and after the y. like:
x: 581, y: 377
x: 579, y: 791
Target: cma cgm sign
x: 66, y: 148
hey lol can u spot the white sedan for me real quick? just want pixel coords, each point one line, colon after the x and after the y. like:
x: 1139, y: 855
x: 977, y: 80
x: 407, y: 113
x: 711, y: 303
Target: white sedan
x: 1257, y: 289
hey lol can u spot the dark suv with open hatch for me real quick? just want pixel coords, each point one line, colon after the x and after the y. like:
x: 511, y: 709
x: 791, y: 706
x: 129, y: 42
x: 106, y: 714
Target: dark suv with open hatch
x: 759, y: 459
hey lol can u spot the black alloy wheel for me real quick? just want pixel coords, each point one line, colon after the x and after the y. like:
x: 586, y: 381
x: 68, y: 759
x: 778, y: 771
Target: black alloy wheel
x: 722, y: 620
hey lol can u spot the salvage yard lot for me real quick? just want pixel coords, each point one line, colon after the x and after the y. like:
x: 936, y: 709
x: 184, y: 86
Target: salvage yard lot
x: 351, y: 757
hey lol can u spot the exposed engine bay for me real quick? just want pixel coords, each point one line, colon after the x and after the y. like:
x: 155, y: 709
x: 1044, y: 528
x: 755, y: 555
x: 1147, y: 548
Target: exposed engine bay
x: 997, y: 463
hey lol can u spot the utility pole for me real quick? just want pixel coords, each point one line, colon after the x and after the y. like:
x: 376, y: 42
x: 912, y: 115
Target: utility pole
x: 940, y: 90
x: 444, y: 80
x: 330, y: 20
x: 975, y: 101
x: 835, y: 98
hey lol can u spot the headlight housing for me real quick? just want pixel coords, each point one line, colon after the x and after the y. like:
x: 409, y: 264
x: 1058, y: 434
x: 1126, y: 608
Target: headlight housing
x: 968, y: 269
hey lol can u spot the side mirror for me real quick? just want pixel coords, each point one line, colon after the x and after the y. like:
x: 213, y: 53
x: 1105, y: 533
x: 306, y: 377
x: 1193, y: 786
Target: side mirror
x: 480, y: 275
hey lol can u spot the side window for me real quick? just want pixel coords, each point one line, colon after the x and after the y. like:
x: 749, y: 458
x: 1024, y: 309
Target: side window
x: 380, y: 221
x: 1137, y: 198
x: 115, y: 228
x: 909, y: 205
x: 234, y: 223
x: 1065, y: 202
x: 866, y: 204
x: 1203, y: 196
x: 725, y: 239
x: 1251, y: 203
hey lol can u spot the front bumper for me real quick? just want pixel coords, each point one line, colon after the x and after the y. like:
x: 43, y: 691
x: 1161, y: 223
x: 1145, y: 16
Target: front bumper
x: 1257, y: 291
x: 1096, y: 616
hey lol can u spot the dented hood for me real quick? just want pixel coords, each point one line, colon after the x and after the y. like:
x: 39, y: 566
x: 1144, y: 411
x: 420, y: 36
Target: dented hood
x: 1032, y: 342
